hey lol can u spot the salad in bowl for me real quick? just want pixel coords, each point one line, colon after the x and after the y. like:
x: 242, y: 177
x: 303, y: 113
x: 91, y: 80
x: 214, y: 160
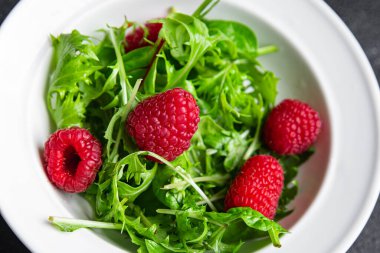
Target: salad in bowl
x: 169, y: 129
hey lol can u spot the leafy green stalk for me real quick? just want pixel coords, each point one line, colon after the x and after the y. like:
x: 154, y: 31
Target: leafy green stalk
x: 125, y: 85
x: 255, y: 142
x: 120, y: 115
x: 266, y: 50
x: 70, y: 225
x: 250, y: 217
x: 75, y: 66
x: 188, y: 40
x: 219, y: 179
x: 194, y: 215
x: 150, y: 75
x: 217, y: 196
x: 274, y: 237
x: 205, y: 8
x: 181, y: 172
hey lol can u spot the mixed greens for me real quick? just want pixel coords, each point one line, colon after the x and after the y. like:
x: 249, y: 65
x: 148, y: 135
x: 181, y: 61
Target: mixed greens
x: 174, y: 206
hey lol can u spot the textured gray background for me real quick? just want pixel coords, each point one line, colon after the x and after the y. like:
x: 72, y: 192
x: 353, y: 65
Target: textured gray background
x: 363, y: 18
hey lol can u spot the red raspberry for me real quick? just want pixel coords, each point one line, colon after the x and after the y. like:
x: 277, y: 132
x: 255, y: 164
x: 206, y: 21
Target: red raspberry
x: 135, y: 39
x: 72, y: 159
x: 292, y: 127
x: 258, y: 186
x: 165, y: 123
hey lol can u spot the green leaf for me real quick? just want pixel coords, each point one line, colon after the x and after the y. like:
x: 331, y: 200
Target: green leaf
x: 215, y: 143
x: 135, y: 168
x: 138, y: 58
x: 252, y: 219
x: 236, y: 148
x: 132, y: 192
x: 267, y: 86
x: 234, y: 38
x: 188, y: 40
x: 116, y: 36
x: 68, y: 111
x: 264, y: 83
x: 216, y: 244
x: 154, y: 247
x: 191, y: 231
x: 150, y: 79
x: 171, y: 199
x: 101, y: 86
x: 74, y: 65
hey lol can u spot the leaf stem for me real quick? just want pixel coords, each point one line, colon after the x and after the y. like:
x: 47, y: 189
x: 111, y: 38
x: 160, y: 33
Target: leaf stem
x: 205, y: 8
x: 274, y: 237
x: 191, y: 215
x: 180, y: 171
x: 217, y: 179
x: 157, y: 50
x: 84, y: 223
x: 123, y: 114
x: 139, y: 213
x: 125, y: 85
x: 255, y: 142
x: 219, y: 195
x: 266, y: 50
x: 194, y: 57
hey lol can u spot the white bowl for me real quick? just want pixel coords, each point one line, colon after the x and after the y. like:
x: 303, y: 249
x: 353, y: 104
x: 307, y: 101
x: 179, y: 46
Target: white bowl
x: 319, y: 62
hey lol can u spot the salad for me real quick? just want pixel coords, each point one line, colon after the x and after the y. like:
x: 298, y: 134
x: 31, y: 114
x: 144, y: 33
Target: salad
x: 169, y: 129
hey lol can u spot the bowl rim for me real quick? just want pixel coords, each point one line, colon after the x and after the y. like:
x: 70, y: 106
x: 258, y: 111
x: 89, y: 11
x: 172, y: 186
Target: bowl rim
x: 374, y: 191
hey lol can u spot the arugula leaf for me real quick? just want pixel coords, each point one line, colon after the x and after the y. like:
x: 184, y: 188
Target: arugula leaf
x: 205, y: 8
x: 214, y: 144
x: 252, y: 219
x: 171, y: 199
x: 217, y: 245
x: 68, y: 111
x: 153, y: 247
x: 225, y: 221
x: 131, y: 193
x: 234, y: 38
x: 191, y: 231
x: 188, y: 40
x: 75, y: 64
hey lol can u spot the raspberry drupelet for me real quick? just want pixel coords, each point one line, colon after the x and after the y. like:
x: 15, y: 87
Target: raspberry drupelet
x: 165, y: 123
x: 258, y: 185
x: 72, y: 159
x: 291, y: 128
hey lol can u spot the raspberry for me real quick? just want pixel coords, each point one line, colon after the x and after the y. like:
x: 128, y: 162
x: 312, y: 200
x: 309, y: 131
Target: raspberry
x: 135, y: 39
x: 291, y: 128
x: 258, y: 185
x: 165, y: 123
x: 72, y: 159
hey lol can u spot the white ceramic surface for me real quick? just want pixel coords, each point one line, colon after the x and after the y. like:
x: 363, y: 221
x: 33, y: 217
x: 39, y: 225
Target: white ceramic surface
x: 319, y: 61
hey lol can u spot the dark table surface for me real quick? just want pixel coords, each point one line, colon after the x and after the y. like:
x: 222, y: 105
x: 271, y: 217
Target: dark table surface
x: 363, y: 18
